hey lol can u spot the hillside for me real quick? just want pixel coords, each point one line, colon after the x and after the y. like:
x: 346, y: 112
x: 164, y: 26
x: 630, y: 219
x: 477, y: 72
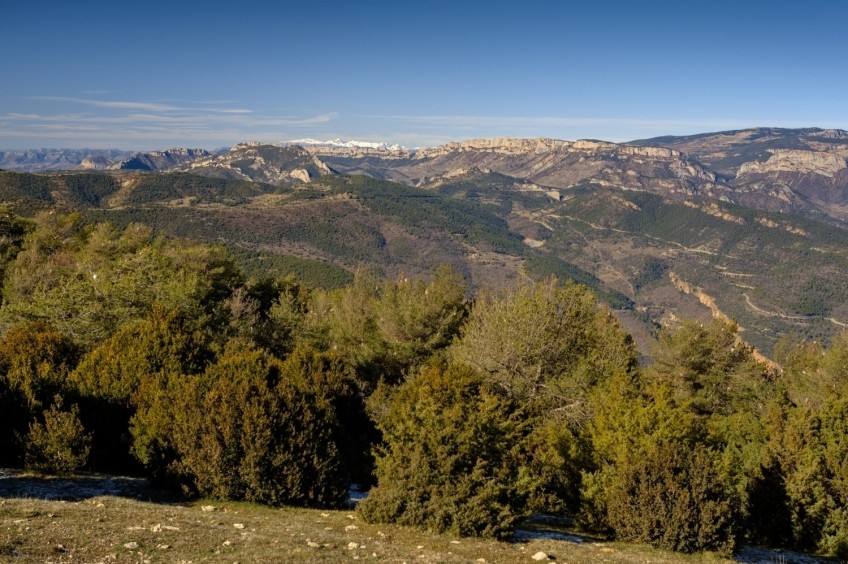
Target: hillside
x: 800, y: 171
x: 258, y: 162
x: 662, y: 234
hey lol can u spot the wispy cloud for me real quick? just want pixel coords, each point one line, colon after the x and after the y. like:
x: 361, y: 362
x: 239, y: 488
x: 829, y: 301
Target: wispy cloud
x: 135, y: 123
x: 111, y: 104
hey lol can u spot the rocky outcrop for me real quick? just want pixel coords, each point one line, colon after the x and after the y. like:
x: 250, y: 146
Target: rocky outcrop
x: 95, y: 163
x: 805, y: 162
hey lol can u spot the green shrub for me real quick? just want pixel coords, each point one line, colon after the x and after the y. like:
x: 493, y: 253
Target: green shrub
x: 449, y: 460
x: 673, y: 499
x: 814, y: 458
x: 243, y: 431
x: 59, y: 444
x: 545, y: 345
x: 334, y: 383
x: 35, y: 359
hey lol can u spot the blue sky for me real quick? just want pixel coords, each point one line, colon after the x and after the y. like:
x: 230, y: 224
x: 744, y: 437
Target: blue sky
x: 163, y: 74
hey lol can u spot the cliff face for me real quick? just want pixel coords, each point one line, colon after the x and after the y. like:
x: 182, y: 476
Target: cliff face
x: 794, y: 160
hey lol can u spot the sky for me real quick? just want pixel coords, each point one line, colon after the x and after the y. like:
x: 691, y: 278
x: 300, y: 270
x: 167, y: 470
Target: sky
x: 148, y: 75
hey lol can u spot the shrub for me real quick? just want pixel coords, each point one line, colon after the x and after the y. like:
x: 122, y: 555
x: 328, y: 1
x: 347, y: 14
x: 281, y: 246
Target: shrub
x: 59, y: 445
x: 814, y: 457
x: 449, y: 462
x: 545, y: 345
x: 243, y: 431
x: 36, y: 359
x: 672, y: 499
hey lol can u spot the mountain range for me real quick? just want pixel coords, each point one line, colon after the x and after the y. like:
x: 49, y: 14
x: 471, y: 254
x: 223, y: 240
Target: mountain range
x: 747, y: 224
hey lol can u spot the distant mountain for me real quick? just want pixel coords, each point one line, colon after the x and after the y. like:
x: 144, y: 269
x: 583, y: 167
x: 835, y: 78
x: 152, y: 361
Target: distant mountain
x: 160, y: 160
x: 346, y: 144
x: 272, y: 164
x: 793, y: 171
x: 31, y: 160
x: 802, y: 171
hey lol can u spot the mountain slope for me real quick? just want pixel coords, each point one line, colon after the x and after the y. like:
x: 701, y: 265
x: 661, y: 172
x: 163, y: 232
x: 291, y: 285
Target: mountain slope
x: 160, y: 160
x: 794, y: 171
x: 273, y: 164
x: 803, y: 171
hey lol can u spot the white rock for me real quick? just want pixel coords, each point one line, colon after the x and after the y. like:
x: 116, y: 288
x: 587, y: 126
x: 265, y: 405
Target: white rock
x: 540, y: 556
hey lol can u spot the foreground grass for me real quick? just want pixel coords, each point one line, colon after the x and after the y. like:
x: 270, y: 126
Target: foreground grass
x: 117, y: 529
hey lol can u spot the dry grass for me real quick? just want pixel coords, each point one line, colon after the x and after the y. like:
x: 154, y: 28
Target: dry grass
x: 89, y: 519
x: 116, y: 529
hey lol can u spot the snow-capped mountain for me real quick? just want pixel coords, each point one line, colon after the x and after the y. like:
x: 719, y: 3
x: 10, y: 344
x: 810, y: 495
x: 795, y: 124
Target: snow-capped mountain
x: 346, y: 144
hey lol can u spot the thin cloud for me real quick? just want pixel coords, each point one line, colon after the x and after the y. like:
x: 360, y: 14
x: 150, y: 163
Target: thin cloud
x: 111, y: 104
x: 555, y: 121
x: 152, y: 124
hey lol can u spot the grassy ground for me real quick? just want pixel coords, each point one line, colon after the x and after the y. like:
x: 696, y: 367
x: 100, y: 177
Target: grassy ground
x: 113, y: 529
x: 86, y: 527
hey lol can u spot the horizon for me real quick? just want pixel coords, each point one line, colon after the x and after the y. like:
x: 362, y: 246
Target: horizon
x: 309, y: 141
x: 86, y: 77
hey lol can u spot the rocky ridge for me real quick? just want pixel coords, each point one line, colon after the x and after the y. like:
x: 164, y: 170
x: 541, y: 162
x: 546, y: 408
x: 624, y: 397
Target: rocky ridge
x: 160, y: 160
x: 550, y: 163
x: 34, y: 160
x: 794, y: 171
x: 259, y: 162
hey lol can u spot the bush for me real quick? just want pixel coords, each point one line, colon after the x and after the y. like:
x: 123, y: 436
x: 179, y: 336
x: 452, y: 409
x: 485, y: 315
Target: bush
x: 35, y: 359
x: 545, y: 345
x: 334, y: 382
x: 59, y: 445
x: 243, y: 431
x: 814, y: 461
x: 449, y: 462
x: 672, y: 499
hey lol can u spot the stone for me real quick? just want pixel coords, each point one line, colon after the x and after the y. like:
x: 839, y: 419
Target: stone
x: 539, y: 556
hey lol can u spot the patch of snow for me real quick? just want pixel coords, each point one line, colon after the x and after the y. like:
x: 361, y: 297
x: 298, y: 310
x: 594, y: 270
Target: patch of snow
x: 525, y: 535
x: 756, y: 555
x: 347, y: 144
x: 15, y: 483
x: 355, y: 494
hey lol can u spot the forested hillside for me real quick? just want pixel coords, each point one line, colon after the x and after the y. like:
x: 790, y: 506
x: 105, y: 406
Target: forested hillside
x: 127, y: 351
